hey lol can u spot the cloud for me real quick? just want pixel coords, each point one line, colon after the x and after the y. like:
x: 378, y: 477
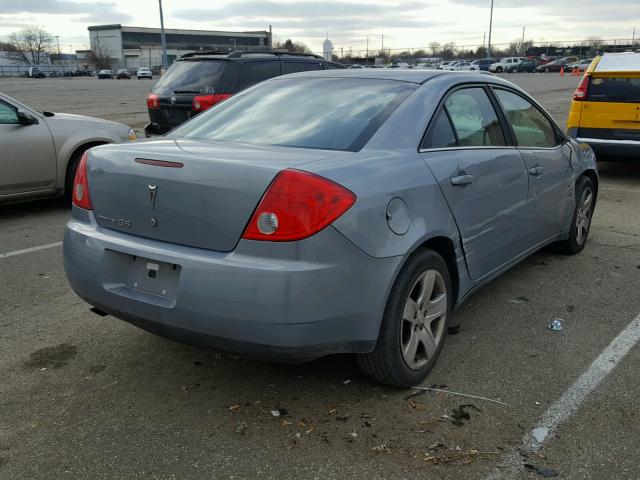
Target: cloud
x: 309, y: 16
x: 99, y: 12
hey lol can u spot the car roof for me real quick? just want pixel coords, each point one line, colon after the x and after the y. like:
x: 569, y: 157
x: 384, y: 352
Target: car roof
x: 617, y: 62
x: 400, y: 75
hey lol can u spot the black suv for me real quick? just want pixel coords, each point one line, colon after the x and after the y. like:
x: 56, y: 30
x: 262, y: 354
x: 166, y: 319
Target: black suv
x: 197, y: 81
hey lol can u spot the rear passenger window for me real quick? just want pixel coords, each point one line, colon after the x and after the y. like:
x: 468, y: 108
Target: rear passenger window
x: 255, y: 72
x: 614, y: 89
x: 441, y: 134
x: 531, y: 127
x: 474, y: 119
x: 293, y: 67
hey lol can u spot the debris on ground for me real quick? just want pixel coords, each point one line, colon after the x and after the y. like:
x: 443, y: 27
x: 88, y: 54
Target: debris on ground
x: 540, y: 433
x: 380, y: 449
x: 241, y: 427
x: 342, y: 417
x: 434, y: 387
x: 346, y: 382
x: 459, y: 394
x: 460, y: 414
x: 544, y: 472
x: 439, y: 453
x: 556, y: 325
x: 279, y: 412
x: 234, y: 408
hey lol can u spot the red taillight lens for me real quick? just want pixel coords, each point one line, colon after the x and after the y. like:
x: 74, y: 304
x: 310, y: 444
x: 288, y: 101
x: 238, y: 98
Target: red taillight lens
x: 202, y: 102
x: 297, y: 205
x: 80, y: 195
x: 582, y: 90
x: 153, y: 101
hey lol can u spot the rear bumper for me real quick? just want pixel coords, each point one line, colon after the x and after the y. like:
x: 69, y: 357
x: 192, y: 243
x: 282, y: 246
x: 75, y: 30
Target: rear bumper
x: 613, y: 148
x: 277, y: 301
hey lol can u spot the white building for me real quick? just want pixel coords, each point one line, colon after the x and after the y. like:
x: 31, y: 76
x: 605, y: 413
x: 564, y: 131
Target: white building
x: 327, y: 50
x: 133, y: 47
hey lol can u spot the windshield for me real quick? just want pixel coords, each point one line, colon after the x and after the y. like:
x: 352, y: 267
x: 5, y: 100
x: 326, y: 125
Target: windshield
x: 322, y: 113
x: 190, y: 77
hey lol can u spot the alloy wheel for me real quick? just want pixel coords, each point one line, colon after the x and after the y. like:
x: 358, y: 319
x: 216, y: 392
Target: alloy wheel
x: 583, y: 215
x: 423, y: 319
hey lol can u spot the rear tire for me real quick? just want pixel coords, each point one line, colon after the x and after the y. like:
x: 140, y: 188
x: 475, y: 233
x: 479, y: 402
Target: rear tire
x: 582, y: 215
x: 499, y: 70
x: 74, y: 161
x: 415, y: 323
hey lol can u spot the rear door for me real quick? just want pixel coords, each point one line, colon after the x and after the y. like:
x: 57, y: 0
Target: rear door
x: 611, y: 110
x: 28, y: 159
x: 483, y: 179
x: 548, y: 164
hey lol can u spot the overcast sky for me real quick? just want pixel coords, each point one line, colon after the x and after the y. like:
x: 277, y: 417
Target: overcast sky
x: 404, y: 24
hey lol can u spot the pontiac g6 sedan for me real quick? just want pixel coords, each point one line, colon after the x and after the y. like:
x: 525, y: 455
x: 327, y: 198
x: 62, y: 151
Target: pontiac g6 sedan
x: 328, y: 212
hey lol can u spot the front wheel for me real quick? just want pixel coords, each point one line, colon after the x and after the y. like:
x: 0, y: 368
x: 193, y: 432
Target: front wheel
x: 582, y: 215
x: 414, y: 324
x: 499, y: 70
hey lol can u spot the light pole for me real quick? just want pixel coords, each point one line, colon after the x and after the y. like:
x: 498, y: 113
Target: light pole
x: 163, y: 39
x: 490, y: 25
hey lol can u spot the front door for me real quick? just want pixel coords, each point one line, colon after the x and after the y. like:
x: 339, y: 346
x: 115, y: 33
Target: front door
x: 548, y: 164
x: 28, y: 159
x: 484, y: 180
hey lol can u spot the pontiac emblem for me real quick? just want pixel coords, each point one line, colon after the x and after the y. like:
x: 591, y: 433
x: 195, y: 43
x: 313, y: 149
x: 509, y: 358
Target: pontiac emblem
x: 152, y: 195
x: 172, y: 100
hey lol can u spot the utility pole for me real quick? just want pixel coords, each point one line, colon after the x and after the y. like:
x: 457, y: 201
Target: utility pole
x: 633, y: 37
x: 58, y: 42
x: 367, y: 49
x: 522, y: 43
x: 490, y: 25
x: 342, y: 53
x: 270, y: 38
x: 382, y: 45
x: 484, y: 38
x: 163, y: 39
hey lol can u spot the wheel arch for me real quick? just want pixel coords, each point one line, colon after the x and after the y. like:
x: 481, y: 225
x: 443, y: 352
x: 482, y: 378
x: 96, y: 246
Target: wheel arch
x: 75, y: 154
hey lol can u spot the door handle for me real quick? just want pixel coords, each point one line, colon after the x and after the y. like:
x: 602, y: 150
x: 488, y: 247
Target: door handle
x: 462, y: 180
x: 536, y: 171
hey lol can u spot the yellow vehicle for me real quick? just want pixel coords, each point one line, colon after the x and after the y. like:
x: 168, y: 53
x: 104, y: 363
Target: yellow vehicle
x: 605, y: 112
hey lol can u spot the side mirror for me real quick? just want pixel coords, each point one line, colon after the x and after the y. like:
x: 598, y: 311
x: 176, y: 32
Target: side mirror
x: 25, y: 119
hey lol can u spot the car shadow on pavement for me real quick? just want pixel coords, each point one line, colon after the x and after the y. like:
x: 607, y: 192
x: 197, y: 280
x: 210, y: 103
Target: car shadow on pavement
x: 620, y: 170
x: 35, y: 207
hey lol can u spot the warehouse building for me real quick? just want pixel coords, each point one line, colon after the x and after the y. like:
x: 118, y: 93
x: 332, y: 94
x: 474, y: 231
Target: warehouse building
x: 133, y: 47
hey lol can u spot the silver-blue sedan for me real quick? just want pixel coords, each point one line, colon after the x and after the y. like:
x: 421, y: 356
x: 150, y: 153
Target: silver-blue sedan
x: 344, y: 211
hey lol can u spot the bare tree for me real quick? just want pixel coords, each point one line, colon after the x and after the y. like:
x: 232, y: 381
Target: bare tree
x: 435, y: 48
x: 448, y: 50
x: 595, y: 44
x: 291, y: 46
x: 99, y: 57
x: 31, y: 45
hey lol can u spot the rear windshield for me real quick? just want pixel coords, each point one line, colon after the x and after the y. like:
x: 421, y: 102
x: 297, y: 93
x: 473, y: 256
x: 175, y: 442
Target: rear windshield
x: 186, y: 76
x: 322, y: 113
x: 614, y: 89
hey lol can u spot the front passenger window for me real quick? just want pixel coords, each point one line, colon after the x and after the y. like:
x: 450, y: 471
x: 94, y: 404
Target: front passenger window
x: 531, y: 127
x: 474, y: 119
x: 8, y: 114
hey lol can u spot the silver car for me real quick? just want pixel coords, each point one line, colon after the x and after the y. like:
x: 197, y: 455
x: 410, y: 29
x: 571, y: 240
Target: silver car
x: 41, y: 150
x: 328, y: 212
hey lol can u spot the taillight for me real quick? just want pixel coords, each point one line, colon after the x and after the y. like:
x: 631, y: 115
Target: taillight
x: 202, y: 102
x: 582, y: 90
x: 153, y: 101
x: 297, y: 205
x: 80, y: 195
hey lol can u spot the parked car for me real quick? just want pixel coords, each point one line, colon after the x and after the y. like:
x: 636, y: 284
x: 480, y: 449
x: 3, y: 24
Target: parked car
x: 426, y: 65
x: 355, y: 65
x: 282, y: 233
x: 527, y: 66
x: 102, y: 74
x: 444, y: 64
x: 605, y: 112
x: 582, y: 65
x: 41, y: 150
x: 461, y: 66
x: 484, y: 63
x: 34, y: 72
x: 503, y: 64
x: 197, y: 81
x: 144, y: 73
x: 557, y: 65
x: 123, y: 73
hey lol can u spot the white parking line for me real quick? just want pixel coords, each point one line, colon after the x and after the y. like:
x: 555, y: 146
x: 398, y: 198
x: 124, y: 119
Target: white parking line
x: 512, y: 463
x: 29, y: 250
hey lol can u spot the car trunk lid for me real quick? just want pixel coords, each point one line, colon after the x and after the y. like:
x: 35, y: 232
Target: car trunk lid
x: 194, y: 193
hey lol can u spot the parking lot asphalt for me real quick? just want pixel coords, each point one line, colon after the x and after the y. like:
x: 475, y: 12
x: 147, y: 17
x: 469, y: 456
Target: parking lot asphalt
x: 84, y: 396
